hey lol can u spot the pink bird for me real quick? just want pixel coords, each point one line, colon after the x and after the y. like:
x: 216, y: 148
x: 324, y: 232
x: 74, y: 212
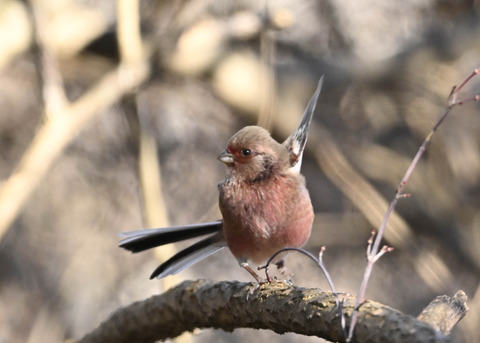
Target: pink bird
x: 263, y: 200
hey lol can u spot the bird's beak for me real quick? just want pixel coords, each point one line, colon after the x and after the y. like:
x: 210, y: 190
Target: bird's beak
x: 226, y: 157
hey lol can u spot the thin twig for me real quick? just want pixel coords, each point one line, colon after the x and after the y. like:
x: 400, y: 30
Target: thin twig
x: 373, y: 252
x: 320, y: 263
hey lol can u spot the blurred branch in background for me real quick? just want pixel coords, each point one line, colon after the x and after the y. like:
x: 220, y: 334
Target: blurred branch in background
x: 131, y: 52
x: 267, y: 77
x: 63, y: 121
x: 15, y: 31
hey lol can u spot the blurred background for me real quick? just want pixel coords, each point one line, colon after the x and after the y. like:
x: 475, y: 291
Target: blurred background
x: 99, y: 137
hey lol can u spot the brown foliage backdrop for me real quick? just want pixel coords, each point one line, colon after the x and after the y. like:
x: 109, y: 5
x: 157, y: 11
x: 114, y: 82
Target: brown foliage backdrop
x: 213, y: 67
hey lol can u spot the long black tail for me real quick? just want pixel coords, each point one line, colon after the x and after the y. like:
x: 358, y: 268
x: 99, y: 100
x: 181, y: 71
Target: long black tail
x: 141, y: 240
x: 188, y: 256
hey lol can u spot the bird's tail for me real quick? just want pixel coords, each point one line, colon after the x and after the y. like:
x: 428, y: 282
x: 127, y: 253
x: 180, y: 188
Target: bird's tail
x: 140, y: 240
x: 296, y: 142
x: 189, y: 256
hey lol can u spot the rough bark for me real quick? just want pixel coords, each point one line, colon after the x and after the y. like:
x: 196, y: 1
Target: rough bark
x: 444, y: 312
x: 279, y: 307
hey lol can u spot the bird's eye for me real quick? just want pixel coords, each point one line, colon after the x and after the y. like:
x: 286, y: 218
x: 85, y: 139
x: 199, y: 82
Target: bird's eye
x: 245, y: 152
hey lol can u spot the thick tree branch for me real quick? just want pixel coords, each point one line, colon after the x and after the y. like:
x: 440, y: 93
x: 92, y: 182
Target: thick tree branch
x: 443, y: 313
x: 278, y: 307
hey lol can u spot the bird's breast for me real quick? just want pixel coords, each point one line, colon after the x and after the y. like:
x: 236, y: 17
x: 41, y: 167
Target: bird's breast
x: 260, y: 219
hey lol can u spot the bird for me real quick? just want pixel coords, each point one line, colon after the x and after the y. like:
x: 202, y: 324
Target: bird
x: 263, y: 200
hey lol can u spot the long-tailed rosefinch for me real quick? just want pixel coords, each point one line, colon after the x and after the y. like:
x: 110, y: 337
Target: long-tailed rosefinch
x: 263, y: 200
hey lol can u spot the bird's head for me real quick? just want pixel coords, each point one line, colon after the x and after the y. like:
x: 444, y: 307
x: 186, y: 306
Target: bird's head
x: 252, y: 155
